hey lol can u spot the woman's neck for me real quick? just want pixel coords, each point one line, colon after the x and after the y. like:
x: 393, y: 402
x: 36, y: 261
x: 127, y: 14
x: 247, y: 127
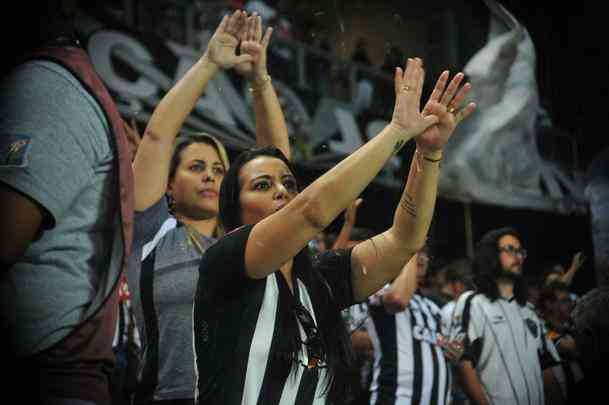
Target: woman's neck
x: 205, y: 227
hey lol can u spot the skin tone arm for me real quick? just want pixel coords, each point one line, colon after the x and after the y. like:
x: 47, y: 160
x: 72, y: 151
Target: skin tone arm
x: 576, y: 263
x: 398, y: 296
x: 386, y: 253
x: 314, y: 208
x: 271, y: 128
x: 20, y: 222
x: 152, y: 160
x: 471, y: 383
x: 345, y: 231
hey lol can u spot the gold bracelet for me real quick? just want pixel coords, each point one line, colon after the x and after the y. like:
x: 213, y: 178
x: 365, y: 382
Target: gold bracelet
x: 261, y: 85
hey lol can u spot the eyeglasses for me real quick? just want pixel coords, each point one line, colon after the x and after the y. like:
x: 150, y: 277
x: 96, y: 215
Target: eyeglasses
x: 512, y: 251
x: 313, y: 341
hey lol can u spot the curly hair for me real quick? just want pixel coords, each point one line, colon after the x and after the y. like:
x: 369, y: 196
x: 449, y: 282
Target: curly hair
x: 487, y: 266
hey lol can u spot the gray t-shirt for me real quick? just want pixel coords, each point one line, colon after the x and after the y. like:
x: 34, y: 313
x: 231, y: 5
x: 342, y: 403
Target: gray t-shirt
x: 55, y: 148
x: 162, y: 275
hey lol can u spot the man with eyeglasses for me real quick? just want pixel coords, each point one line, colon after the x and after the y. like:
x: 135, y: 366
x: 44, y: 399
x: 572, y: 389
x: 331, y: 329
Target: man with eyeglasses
x: 508, y: 358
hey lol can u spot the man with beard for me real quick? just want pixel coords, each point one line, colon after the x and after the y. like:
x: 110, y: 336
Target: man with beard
x: 505, y: 345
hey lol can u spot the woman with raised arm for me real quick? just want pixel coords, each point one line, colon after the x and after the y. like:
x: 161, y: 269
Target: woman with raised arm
x: 267, y: 324
x: 170, y: 238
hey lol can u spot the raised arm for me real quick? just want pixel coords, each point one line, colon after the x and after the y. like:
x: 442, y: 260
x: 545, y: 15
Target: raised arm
x: 271, y: 128
x: 345, y: 231
x: 470, y: 381
x: 576, y: 263
x: 153, y: 157
x: 378, y: 260
x: 277, y: 238
x: 397, y: 297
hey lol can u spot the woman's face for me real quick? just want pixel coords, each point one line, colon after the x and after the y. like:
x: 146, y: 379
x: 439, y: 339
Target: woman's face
x: 196, y: 183
x: 267, y: 184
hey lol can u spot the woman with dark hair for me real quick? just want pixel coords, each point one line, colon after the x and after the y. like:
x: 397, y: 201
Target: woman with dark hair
x: 267, y: 321
x: 171, y: 237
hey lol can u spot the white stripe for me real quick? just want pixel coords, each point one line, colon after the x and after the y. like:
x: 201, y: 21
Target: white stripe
x: 259, y: 349
x: 431, y: 312
x: 168, y: 225
x: 376, y: 369
x: 290, y: 389
x: 405, y: 347
x: 194, y: 350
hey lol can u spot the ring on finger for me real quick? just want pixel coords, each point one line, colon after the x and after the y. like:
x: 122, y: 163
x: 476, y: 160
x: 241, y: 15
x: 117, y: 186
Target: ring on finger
x: 451, y: 109
x: 406, y: 88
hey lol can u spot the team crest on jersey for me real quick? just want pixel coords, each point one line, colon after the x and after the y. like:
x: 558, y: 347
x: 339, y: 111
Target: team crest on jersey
x: 532, y: 326
x: 425, y: 334
x: 15, y: 153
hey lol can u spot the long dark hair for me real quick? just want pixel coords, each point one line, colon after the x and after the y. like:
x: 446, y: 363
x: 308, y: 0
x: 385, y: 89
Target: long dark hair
x: 487, y: 266
x: 336, y: 343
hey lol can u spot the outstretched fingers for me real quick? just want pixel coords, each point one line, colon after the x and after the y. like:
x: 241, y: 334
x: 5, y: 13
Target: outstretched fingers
x: 459, y: 98
x: 258, y: 29
x: 436, y: 94
x: 267, y: 37
x: 223, y: 24
x: 451, y: 89
x: 235, y: 23
x: 465, y: 112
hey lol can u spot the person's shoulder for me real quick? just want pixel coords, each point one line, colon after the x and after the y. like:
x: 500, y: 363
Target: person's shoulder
x: 41, y: 73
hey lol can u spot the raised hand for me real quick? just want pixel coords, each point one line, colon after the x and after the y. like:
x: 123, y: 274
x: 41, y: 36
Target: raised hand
x: 222, y: 47
x: 407, y: 110
x: 578, y: 260
x: 252, y: 43
x: 351, y: 211
x: 445, y: 103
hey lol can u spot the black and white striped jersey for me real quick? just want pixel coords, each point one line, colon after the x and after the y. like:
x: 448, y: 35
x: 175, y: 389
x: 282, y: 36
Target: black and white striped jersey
x: 236, y: 329
x: 409, y: 365
x: 507, y: 346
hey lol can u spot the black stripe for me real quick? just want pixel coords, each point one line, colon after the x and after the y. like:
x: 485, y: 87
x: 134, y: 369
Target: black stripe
x: 417, y: 383
x: 248, y: 313
x: 385, y: 325
x: 470, y: 351
x: 147, y: 386
x: 274, y: 377
x: 121, y: 322
x: 467, y: 313
x: 434, y: 354
x: 307, y: 387
x: 448, y: 382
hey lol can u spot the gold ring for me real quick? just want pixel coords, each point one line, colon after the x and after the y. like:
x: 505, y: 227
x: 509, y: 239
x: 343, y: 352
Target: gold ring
x: 406, y: 88
x: 451, y: 110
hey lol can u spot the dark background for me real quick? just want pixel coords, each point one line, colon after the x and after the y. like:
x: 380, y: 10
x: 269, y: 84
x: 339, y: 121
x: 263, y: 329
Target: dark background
x: 572, y: 77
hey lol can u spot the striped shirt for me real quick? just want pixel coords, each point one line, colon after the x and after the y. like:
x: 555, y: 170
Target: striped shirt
x: 237, y: 333
x: 507, y: 346
x: 162, y: 276
x: 409, y: 366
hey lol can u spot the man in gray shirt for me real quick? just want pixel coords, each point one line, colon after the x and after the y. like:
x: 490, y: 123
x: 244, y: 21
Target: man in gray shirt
x: 63, y: 222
